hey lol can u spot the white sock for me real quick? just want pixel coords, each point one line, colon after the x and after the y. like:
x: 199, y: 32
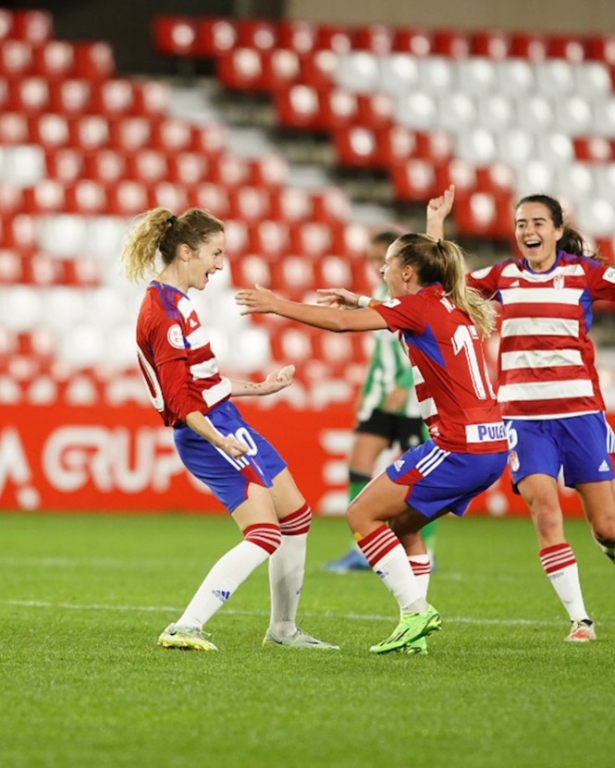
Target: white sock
x: 287, y: 571
x: 421, y: 568
x: 221, y: 582
x: 388, y: 559
x: 560, y: 565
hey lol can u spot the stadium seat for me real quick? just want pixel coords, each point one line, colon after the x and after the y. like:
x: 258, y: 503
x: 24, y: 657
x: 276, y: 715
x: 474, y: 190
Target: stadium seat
x: 415, y: 180
x: 528, y: 45
x: 601, y: 48
x: 90, y: 132
x: 127, y: 198
x: 293, y: 345
x: 174, y: 35
x: 456, y: 112
x: 399, y: 72
x: 437, y: 75
x: 290, y: 204
x: 279, y: 69
x: 417, y: 42
x: 14, y: 129
x: 476, y: 75
x: 270, y: 169
x: 35, y: 26
x: 249, y: 203
x: 416, y: 110
x: 334, y: 37
x: 11, y: 273
x: 515, y: 77
x: 269, y: 238
x: 21, y: 308
x: 319, y: 70
x: 357, y: 147
x: 594, y: 149
x: 127, y: 134
x: 536, y: 113
x: 258, y: 34
x: 29, y: 95
x: 62, y: 235
x: 106, y: 165
x: 113, y: 97
x: 210, y: 197
x: 574, y: 115
x: 54, y: 59
x: 249, y: 270
x: 229, y: 170
x: 22, y: 165
x: 476, y: 145
x: 358, y: 71
x: 330, y: 204
x: 458, y: 172
x: 495, y: 44
x: 214, y: 36
x: 572, y: 48
x: 94, y: 61
x: 164, y: 194
x: 453, y: 44
x: 148, y: 165
x: 595, y: 216
x: 555, y: 78
x: 70, y: 96
x: 16, y: 58
x: 496, y: 112
x: 240, y: 69
x: 296, y: 107
x: 377, y: 38
x: 296, y: 35
x: 45, y: 196
x: 310, y: 238
x: 87, y: 197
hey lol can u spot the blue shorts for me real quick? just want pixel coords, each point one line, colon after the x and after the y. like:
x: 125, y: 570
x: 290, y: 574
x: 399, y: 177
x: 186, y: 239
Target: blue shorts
x: 439, y: 479
x: 229, y: 478
x: 581, y: 446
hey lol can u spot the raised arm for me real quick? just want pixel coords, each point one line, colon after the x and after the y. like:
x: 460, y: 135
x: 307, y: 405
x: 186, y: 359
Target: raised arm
x: 438, y: 209
x: 262, y: 301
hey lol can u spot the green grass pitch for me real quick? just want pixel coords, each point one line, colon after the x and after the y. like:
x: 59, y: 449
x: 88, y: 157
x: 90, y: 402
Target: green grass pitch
x: 83, y: 599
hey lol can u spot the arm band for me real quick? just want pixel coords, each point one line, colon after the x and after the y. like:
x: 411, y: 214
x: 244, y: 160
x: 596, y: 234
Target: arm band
x: 363, y: 302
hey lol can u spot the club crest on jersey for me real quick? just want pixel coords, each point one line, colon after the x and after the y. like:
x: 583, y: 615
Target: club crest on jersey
x: 175, y: 337
x: 513, y: 460
x: 558, y: 282
x: 392, y: 303
x: 609, y: 275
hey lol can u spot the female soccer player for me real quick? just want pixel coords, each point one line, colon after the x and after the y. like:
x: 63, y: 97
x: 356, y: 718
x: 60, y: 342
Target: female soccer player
x: 241, y: 468
x: 441, y: 323
x: 548, y: 385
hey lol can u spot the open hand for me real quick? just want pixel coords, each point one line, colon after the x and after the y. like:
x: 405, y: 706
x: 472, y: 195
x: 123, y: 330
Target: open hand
x: 257, y: 300
x: 337, y: 297
x: 279, y: 380
x: 439, y: 208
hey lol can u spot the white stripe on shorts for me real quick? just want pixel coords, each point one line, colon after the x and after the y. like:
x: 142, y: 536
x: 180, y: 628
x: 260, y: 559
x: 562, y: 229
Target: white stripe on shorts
x: 432, y: 460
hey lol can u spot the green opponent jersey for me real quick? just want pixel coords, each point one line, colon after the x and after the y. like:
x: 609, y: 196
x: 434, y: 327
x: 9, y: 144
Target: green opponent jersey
x: 389, y: 368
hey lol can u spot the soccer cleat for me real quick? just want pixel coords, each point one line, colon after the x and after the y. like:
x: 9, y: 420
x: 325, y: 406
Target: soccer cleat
x: 418, y: 648
x: 411, y: 627
x: 299, y: 640
x: 581, y: 631
x: 184, y: 638
x: 353, y: 560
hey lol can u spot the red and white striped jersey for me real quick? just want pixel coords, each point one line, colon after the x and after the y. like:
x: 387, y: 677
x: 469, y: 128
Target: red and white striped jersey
x: 175, y: 356
x: 450, y: 373
x: 546, y: 361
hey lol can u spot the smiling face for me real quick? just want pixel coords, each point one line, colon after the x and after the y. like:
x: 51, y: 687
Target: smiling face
x: 537, y: 235
x: 400, y: 280
x: 202, y: 264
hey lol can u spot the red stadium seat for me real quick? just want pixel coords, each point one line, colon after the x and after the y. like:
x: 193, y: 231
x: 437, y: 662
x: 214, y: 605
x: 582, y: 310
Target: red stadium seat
x: 19, y: 230
x: 569, y: 47
x: 331, y: 205
x: 334, y: 37
x: 90, y: 132
x: 127, y: 134
x: 34, y: 26
x: 375, y: 109
x: 336, y: 108
x: 415, y: 180
x: 416, y: 41
x: 54, y: 59
x: 28, y: 95
x: 14, y: 128
x: 491, y: 43
x: 357, y: 147
x: 528, y: 45
x: 249, y: 203
x: 174, y: 35
x: 187, y: 168
x: 483, y: 214
x: 240, y: 69
x: 16, y: 58
x: 94, y: 61
x: 279, y: 69
x: 457, y: 172
x: 309, y: 239
x: 291, y: 204
x: 214, y: 36
x: 148, y: 165
x: 11, y: 201
x: 70, y: 96
x: 83, y: 272
x: 229, y: 170
x: 601, y: 48
x: 250, y: 270
x: 163, y: 194
x: 50, y: 130
x: 257, y: 34
x: 237, y: 237
x: 297, y: 107
x: 113, y: 97
x: 151, y: 97
x: 11, y: 273
x: 594, y: 148
x: 269, y: 238
x: 86, y: 196
x: 209, y: 139
x: 297, y: 35
x: 320, y: 69
x: 171, y: 135
x: 454, y: 44
x: 334, y: 272
x: 46, y: 196
x: 127, y: 198
x: 293, y: 345
x: 210, y: 197
x: 377, y: 38
x: 267, y: 170
x: 106, y: 165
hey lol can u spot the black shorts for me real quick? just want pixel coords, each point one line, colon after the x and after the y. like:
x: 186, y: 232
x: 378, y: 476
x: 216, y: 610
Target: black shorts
x: 406, y: 430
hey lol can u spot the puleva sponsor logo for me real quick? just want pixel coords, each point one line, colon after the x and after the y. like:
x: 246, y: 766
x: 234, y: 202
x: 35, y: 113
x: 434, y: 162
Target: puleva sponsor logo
x: 485, y: 433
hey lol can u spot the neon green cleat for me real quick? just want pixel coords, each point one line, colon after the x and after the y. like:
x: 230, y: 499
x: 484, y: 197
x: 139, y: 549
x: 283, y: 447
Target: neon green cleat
x: 412, y: 627
x: 418, y: 648
x: 299, y: 640
x: 184, y: 638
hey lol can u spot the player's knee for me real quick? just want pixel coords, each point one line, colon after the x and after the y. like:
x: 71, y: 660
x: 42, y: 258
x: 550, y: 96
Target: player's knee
x: 604, y: 533
x: 297, y: 523
x: 267, y: 536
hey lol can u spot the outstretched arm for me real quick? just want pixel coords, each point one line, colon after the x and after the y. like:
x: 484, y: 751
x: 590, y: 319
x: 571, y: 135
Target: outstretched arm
x: 438, y: 209
x: 275, y: 382
x: 262, y: 301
